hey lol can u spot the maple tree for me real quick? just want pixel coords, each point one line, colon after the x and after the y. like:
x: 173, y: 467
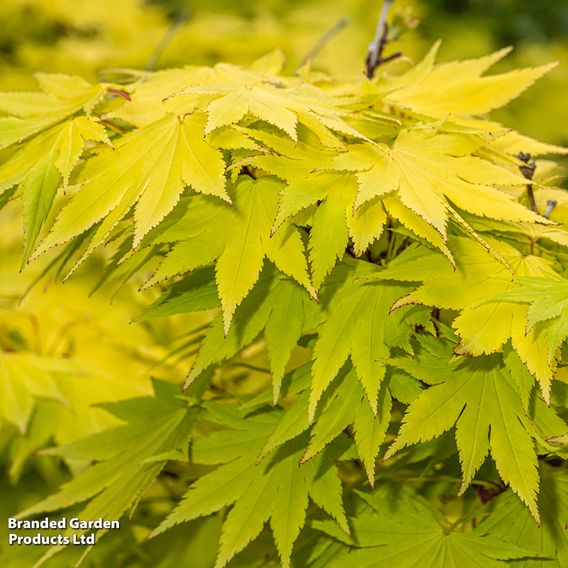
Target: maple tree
x: 376, y: 289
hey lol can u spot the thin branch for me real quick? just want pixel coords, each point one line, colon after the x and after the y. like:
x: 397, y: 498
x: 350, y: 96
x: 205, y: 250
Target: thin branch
x: 324, y: 40
x: 375, y: 54
x: 532, y: 200
x: 181, y: 19
x: 380, y: 32
x: 527, y: 169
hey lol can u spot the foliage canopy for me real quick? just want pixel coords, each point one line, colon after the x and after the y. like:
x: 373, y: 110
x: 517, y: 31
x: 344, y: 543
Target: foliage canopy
x: 376, y: 257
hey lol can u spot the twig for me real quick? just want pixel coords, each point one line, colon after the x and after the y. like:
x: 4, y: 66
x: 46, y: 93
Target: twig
x: 528, y: 170
x: 375, y: 54
x: 181, y: 19
x: 380, y: 31
x: 324, y: 40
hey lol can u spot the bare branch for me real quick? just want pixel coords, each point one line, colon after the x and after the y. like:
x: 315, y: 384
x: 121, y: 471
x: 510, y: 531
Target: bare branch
x: 527, y: 169
x: 375, y: 54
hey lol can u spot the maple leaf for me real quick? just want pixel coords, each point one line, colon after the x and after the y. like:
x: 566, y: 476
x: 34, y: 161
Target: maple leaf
x: 184, y: 90
x: 281, y: 338
x: 242, y: 192
x: 333, y: 222
x: 281, y: 334
x: 197, y: 292
x: 367, y: 338
x: 478, y: 399
x: 511, y: 143
x: 328, y: 236
x: 275, y: 490
x: 250, y: 241
x: 153, y: 178
x: 431, y: 173
x: 465, y: 91
x: 484, y: 325
x: 347, y: 405
x: 529, y: 233
x: 149, y: 95
x: 411, y: 533
x: 273, y: 103
x: 161, y: 425
x: 196, y: 232
x: 236, y: 239
x: 286, y: 159
x: 548, y: 298
x: 511, y: 522
x: 63, y: 96
x: 343, y: 405
x: 267, y: 308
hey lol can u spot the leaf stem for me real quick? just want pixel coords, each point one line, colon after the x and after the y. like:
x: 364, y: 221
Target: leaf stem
x: 390, y: 250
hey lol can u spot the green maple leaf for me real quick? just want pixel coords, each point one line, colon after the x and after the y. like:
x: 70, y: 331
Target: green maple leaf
x: 194, y: 231
x: 548, y: 298
x: 194, y: 293
x: 328, y: 236
x: 334, y: 221
x: 475, y: 287
x: 41, y: 182
x: 547, y: 314
x: 127, y: 458
x: 253, y: 190
x: 283, y: 330
x: 511, y: 522
x: 276, y: 490
x: 347, y: 405
x: 433, y: 359
x: 487, y: 413
x: 410, y: 533
x: 59, y: 149
x: 250, y: 319
x: 357, y: 324
x: 269, y: 307
x: 343, y: 405
x: 238, y: 240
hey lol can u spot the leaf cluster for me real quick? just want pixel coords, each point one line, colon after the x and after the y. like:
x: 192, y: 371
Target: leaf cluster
x: 367, y: 251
